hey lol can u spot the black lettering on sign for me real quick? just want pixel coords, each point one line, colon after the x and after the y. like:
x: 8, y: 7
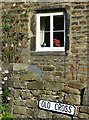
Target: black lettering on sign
x: 45, y: 104
x: 70, y: 109
x: 66, y: 108
x: 59, y: 106
x: 62, y: 108
x: 48, y: 105
x: 56, y: 106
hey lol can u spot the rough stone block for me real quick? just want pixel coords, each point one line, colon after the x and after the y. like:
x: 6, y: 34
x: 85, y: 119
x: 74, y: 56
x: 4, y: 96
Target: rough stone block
x: 19, y: 110
x: 19, y: 84
x: 61, y: 117
x: 29, y: 113
x: 71, y: 90
x: 79, y: 7
x: 35, y: 85
x: 76, y: 18
x: 36, y: 93
x: 17, y: 93
x: 77, y: 12
x: 41, y: 114
x: 48, y: 68
x: 86, y: 96
x: 86, y: 11
x: 47, y: 97
x: 25, y: 77
x: 19, y: 66
x: 46, y: 77
x: 54, y: 86
x: 17, y: 116
x: 76, y: 85
x: 73, y: 99
x: 57, y: 73
x: 20, y: 102
x: 26, y: 94
x: 32, y: 103
x: 83, y: 115
x: 84, y: 109
x: 76, y: 28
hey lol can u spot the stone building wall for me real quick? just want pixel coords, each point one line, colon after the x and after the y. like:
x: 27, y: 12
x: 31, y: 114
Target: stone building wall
x: 58, y: 76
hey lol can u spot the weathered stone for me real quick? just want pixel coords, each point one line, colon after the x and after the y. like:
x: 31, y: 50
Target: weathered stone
x: 35, y: 70
x: 76, y: 111
x: 87, y: 6
x: 41, y: 114
x: 76, y: 118
x: 29, y: 113
x: 83, y: 115
x: 19, y: 84
x: 26, y: 94
x: 46, y: 77
x: 75, y: 18
x: 36, y: 77
x: 59, y: 80
x: 73, y: 99
x: 86, y: 11
x: 57, y: 73
x: 54, y: 86
x: 19, y: 66
x: 61, y: 116
x: 17, y: 93
x: 79, y: 6
x: 75, y: 23
x: 35, y: 85
x: 48, y: 68
x: 36, y: 93
x: 20, y: 102
x: 76, y: 28
x: 77, y: 12
x: 76, y: 85
x: 32, y: 103
x: 71, y: 90
x: 84, y: 109
x: 47, y: 97
x: 18, y: 116
x: 82, y: 22
x: 19, y: 110
x: 86, y: 96
x: 26, y: 77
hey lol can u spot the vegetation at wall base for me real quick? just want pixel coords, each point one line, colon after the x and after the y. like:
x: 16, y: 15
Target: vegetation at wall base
x: 5, y: 114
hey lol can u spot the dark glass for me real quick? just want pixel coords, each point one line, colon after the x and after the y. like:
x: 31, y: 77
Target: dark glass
x: 58, y: 39
x: 58, y: 22
x: 45, y: 23
x: 45, y: 39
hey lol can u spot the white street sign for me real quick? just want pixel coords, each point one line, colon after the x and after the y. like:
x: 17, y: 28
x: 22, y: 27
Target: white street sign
x: 57, y: 107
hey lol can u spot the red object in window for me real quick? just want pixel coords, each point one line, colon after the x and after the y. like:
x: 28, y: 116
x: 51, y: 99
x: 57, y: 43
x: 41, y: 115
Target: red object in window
x: 56, y: 42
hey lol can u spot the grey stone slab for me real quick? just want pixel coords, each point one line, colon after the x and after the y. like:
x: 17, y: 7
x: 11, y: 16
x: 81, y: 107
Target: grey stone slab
x: 35, y: 70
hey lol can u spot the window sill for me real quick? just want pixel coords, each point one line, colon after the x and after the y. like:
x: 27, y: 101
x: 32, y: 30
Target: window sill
x: 47, y: 49
x: 49, y: 53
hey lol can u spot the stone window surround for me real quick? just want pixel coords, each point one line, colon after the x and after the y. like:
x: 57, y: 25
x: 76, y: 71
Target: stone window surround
x: 54, y: 53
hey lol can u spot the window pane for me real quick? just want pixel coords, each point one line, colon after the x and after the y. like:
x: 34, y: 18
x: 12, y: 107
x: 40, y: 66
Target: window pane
x: 45, y: 31
x: 45, y: 23
x: 45, y: 39
x: 58, y: 39
x: 58, y: 22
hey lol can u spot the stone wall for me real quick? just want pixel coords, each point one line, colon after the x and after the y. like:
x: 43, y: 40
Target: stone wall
x: 54, y: 76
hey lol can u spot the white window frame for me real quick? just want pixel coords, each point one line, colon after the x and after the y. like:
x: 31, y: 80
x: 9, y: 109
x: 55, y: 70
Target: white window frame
x: 51, y: 48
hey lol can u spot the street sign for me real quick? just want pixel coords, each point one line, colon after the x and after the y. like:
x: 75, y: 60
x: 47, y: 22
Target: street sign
x: 57, y: 107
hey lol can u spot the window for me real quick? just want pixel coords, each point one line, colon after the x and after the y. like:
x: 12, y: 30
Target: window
x: 50, y: 32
